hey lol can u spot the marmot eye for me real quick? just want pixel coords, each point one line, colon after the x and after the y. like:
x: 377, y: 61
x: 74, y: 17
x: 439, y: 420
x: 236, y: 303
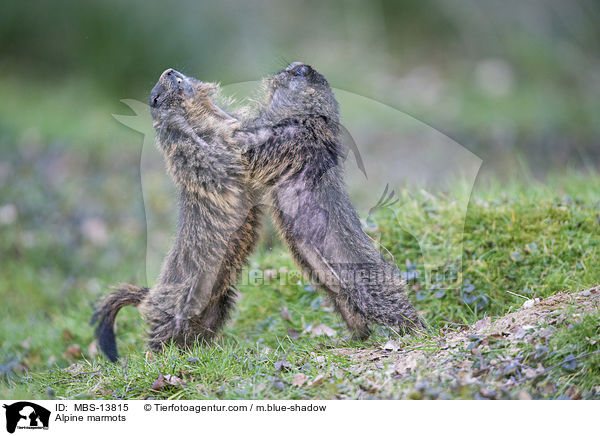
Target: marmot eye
x: 302, y: 71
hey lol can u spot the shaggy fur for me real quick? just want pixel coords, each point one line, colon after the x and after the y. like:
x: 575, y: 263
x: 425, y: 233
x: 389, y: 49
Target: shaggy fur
x: 217, y: 227
x: 126, y: 295
x: 293, y: 151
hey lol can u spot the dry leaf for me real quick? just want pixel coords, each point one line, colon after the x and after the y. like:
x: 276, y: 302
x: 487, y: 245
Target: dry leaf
x: 167, y: 379
x: 72, y: 352
x: 299, y: 379
x: 317, y: 381
x: 174, y: 380
x: 322, y: 329
x: 159, y: 383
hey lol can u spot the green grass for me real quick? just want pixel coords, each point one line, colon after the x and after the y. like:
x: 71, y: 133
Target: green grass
x: 553, y: 229
x: 529, y: 240
x: 571, y: 357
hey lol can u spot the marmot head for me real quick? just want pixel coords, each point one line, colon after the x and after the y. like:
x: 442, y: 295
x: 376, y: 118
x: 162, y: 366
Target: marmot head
x: 178, y: 101
x: 299, y: 90
x: 170, y: 91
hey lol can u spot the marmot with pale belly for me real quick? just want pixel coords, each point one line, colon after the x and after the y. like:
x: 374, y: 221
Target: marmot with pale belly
x: 293, y: 152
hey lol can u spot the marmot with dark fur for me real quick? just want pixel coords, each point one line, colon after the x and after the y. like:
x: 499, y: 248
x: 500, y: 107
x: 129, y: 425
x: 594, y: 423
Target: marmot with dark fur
x: 218, y: 221
x: 293, y: 151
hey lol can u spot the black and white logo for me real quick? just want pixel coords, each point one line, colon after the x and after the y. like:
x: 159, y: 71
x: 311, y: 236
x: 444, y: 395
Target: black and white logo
x: 26, y: 415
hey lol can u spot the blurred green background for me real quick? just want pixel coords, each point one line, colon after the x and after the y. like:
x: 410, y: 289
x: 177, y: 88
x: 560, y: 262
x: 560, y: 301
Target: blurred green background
x: 504, y: 78
x: 517, y: 83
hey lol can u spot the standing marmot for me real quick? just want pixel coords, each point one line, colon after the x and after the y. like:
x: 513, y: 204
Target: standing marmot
x: 217, y: 227
x: 293, y: 150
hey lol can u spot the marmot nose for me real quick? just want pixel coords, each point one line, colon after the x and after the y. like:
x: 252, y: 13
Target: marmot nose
x: 172, y: 75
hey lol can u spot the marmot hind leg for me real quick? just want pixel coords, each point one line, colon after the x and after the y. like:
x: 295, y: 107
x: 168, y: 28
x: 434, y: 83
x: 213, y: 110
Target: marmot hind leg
x: 357, y: 324
x: 216, y: 314
x: 185, y: 331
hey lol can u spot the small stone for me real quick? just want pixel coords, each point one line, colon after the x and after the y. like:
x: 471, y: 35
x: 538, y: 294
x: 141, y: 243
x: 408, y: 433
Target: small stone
x: 390, y: 346
x: 279, y: 385
x: 488, y: 393
x: 529, y: 304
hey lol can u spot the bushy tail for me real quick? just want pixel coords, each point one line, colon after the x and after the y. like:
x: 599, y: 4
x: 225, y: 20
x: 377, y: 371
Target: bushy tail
x: 126, y: 295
